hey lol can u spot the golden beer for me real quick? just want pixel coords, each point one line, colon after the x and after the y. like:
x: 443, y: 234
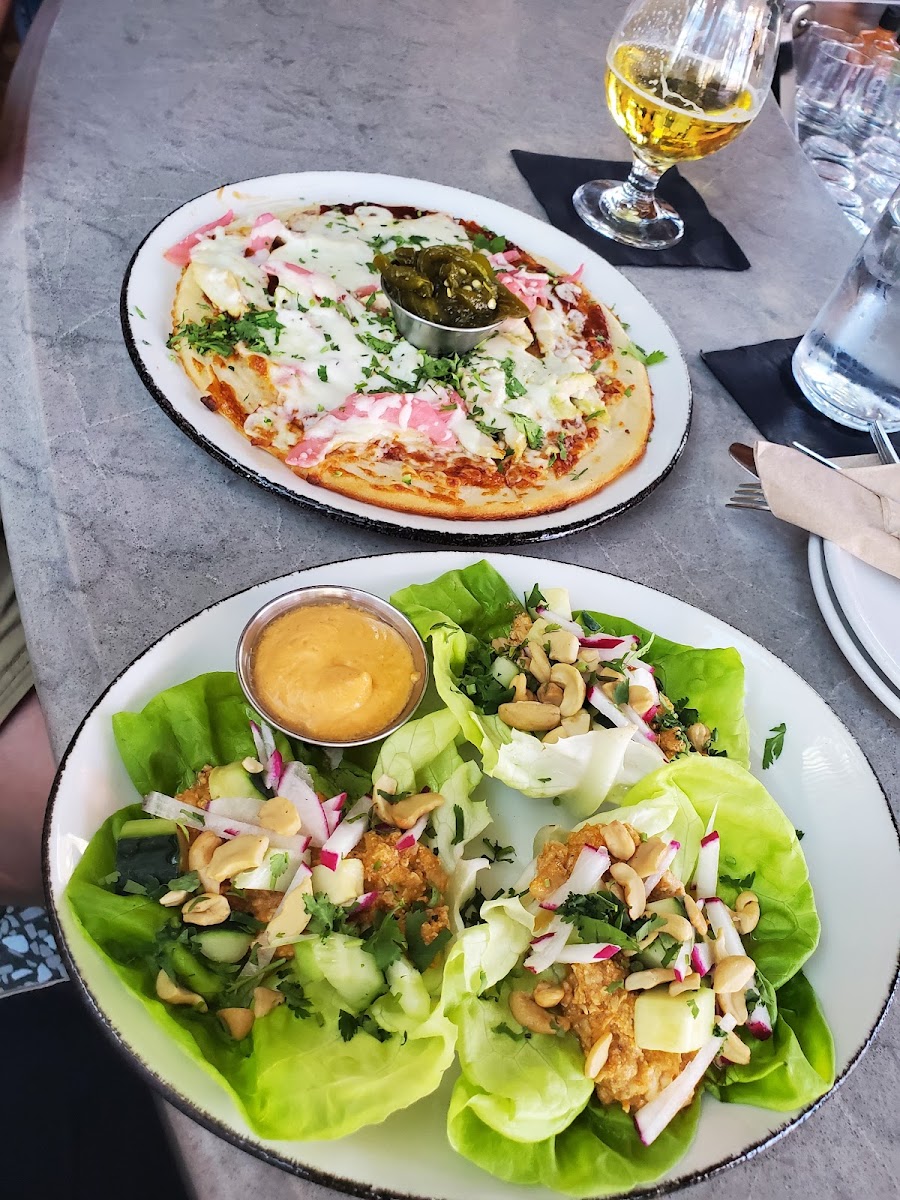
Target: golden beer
x: 674, y: 113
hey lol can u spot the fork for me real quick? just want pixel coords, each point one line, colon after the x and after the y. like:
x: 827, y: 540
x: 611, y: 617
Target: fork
x: 751, y: 495
x: 883, y: 444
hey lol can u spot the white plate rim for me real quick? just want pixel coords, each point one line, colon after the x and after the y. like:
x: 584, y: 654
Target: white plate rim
x: 854, y: 615
x: 255, y: 465
x: 354, y: 1187
x: 843, y: 633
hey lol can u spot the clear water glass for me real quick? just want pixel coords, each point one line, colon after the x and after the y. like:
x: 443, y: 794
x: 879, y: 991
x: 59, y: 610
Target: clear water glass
x: 835, y: 176
x: 820, y: 146
x: 836, y: 70
x: 848, y: 363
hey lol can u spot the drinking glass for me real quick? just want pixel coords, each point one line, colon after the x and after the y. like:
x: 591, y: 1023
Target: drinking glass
x: 847, y: 365
x: 834, y: 71
x: 683, y: 79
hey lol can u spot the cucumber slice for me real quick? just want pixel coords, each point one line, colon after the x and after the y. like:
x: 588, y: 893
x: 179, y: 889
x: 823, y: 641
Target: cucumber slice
x: 504, y: 670
x: 677, y: 1024
x: 194, y: 974
x: 350, y: 970
x: 232, y: 780
x: 223, y: 945
x: 149, y: 827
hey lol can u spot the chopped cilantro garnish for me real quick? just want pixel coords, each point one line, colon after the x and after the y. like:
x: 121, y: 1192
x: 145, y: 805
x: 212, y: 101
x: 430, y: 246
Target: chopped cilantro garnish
x: 385, y: 943
x: 774, y: 745
x: 421, y: 953
x: 459, y: 830
x: 322, y: 372
x: 648, y: 359
x: 220, y: 335
x: 495, y: 245
x: 534, y: 435
x: 494, y: 852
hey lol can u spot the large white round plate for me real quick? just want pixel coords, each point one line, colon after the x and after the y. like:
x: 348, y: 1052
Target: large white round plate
x: 840, y: 629
x: 821, y: 767
x: 870, y: 602
x: 146, y: 311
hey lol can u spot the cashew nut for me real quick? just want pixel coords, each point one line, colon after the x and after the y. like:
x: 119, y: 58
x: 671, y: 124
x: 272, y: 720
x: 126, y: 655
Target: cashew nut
x: 733, y: 973
x: 641, y: 699
x: 564, y: 646
x: 733, y: 1004
x: 633, y: 885
x: 550, y: 693
x: 243, y: 853
x: 608, y: 674
x: 588, y: 656
x: 695, y: 916
x: 690, y: 983
x: 546, y: 995
x: 595, y: 1059
x: 530, y: 716
x: 279, y: 815
x: 580, y: 723
x: 173, y: 993
x: 572, y: 682
x: 174, y: 899
x: 238, y: 1021
x: 200, y: 852
x: 677, y: 927
x: 642, y: 981
x: 699, y: 735
x: 746, y: 912
x: 206, y: 909
x: 405, y: 813
x: 648, y: 857
x: 519, y: 686
x: 265, y: 999
x: 619, y: 841
x: 554, y: 736
x: 528, y: 1013
x: 252, y: 766
x: 538, y: 663
x: 384, y: 784
x: 734, y: 1050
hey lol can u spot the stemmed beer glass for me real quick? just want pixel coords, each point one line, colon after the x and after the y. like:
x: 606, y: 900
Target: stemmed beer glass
x: 683, y: 79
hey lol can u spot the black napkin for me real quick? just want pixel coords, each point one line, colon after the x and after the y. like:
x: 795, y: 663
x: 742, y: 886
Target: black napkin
x: 706, y: 241
x: 761, y: 380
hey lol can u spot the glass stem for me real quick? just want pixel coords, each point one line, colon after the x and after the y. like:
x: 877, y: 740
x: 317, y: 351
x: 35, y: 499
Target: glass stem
x: 640, y: 187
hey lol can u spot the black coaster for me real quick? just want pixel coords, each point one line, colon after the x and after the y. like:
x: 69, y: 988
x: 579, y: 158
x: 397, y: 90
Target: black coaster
x: 706, y: 241
x: 761, y: 380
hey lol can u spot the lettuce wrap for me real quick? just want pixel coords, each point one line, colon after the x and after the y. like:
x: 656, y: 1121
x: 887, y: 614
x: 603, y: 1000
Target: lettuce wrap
x: 542, y: 1123
x: 363, y: 1032
x: 463, y: 612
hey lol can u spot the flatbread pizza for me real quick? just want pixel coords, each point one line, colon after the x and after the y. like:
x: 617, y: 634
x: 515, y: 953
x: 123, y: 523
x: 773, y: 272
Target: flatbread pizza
x: 280, y: 320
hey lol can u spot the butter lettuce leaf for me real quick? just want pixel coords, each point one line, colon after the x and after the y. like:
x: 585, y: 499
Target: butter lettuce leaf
x: 295, y: 1076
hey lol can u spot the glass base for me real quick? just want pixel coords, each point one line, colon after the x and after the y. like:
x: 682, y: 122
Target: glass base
x: 886, y: 414
x: 609, y: 209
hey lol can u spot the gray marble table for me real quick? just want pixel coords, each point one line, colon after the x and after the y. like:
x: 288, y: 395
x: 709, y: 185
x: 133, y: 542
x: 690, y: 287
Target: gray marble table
x: 119, y: 527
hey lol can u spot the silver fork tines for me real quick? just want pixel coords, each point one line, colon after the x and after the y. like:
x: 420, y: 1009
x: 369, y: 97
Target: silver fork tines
x: 749, y: 495
x: 883, y: 444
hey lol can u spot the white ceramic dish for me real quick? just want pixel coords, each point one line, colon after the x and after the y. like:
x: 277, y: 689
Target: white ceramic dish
x: 870, y: 602
x: 146, y: 307
x: 409, y: 1155
x: 840, y: 629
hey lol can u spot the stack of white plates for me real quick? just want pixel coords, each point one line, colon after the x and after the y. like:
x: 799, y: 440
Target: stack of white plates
x: 861, y: 607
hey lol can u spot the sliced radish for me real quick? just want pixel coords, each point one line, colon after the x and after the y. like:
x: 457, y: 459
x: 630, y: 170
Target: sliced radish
x: 180, y: 253
x: 366, y: 900
x: 411, y: 836
x: 332, y: 809
x: 587, y: 952
x: 702, y: 958
x: 598, y: 699
x: 652, y: 880
x: 652, y: 1119
x: 759, y: 1022
x: 228, y: 827
x: 610, y: 648
x: 706, y: 873
x: 263, y: 740
x: 239, y: 807
x: 295, y: 787
x: 720, y: 919
x: 555, y: 618
x: 274, y: 770
x: 546, y: 947
x: 590, y: 866
x: 642, y: 676
x: 682, y: 962
x: 346, y: 835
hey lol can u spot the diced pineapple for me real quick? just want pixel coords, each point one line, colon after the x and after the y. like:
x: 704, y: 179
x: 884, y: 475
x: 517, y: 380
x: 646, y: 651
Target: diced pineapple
x: 343, y: 884
x: 677, y: 1024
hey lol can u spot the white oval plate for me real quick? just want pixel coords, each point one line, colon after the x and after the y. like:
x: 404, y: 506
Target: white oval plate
x: 870, y: 602
x: 821, y: 767
x: 146, y: 312
x: 840, y: 629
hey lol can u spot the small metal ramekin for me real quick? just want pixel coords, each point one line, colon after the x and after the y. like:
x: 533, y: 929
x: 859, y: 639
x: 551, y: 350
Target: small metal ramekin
x: 325, y: 594
x: 438, y: 339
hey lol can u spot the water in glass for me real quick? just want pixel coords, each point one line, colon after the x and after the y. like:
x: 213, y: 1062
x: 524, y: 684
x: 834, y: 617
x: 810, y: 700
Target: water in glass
x: 848, y: 364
